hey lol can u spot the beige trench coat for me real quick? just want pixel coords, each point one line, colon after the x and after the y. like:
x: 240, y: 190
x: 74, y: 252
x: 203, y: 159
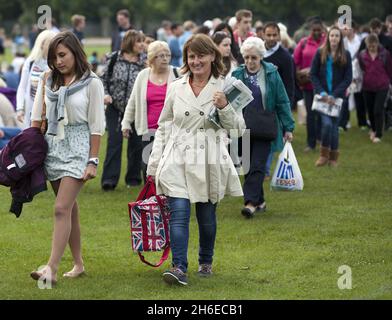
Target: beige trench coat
x: 190, y: 158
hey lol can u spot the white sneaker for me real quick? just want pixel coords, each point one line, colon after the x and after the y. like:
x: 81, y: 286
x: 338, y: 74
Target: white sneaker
x: 376, y: 140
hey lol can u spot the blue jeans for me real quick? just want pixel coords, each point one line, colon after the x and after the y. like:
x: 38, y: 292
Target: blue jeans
x: 9, y: 133
x: 179, y: 231
x: 329, y: 132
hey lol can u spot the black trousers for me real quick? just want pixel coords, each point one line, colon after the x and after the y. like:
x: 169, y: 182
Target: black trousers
x: 313, y: 121
x: 361, y: 109
x: 388, y: 114
x: 374, y: 102
x: 344, y: 114
x: 112, y: 166
x: 253, y: 185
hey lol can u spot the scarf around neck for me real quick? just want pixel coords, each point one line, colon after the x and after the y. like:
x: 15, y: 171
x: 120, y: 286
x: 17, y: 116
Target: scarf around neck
x: 56, y: 114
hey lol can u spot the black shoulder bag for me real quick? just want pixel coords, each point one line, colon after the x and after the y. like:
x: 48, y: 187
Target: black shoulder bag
x: 261, y: 123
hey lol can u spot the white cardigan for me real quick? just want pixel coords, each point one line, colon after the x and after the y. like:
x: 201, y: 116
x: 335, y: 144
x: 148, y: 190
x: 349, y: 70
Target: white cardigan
x: 136, y: 110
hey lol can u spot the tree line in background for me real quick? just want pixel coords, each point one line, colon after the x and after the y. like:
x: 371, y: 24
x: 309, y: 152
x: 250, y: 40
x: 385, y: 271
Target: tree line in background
x: 147, y: 14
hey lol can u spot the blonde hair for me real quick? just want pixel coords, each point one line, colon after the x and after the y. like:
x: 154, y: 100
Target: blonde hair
x: 41, y: 45
x: 153, y: 50
x: 76, y: 19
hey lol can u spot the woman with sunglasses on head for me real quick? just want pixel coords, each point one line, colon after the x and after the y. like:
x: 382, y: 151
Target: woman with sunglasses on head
x: 223, y: 41
x: 73, y: 96
x: 235, y: 49
x: 148, y: 96
x: 269, y: 94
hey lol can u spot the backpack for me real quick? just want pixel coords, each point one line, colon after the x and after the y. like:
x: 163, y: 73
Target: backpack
x: 149, y: 217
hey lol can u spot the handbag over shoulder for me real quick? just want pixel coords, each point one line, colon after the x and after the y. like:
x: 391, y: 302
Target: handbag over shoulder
x: 261, y: 123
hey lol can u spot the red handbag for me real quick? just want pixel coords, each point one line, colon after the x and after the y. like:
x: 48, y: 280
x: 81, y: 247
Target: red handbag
x: 149, y: 216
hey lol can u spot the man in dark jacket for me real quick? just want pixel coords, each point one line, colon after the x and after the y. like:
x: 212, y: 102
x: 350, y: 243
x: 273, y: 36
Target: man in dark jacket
x: 123, y: 26
x: 385, y: 41
x: 22, y: 167
x: 280, y: 57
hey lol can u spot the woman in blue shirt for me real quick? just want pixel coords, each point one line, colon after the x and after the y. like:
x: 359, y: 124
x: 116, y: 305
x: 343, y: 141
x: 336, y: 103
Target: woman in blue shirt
x: 331, y: 75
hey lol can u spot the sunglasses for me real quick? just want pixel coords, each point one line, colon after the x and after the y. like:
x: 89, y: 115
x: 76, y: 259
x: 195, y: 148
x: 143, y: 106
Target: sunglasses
x: 163, y: 56
x: 251, y: 58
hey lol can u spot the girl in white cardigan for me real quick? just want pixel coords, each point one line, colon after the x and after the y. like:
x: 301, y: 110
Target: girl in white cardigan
x: 34, y: 66
x: 148, y: 96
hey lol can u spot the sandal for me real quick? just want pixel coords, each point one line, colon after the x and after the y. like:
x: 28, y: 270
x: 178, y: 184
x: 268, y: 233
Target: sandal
x: 74, y: 274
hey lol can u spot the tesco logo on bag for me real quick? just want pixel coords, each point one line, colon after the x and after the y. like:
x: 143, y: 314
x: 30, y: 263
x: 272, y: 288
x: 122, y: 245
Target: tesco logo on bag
x: 285, y: 174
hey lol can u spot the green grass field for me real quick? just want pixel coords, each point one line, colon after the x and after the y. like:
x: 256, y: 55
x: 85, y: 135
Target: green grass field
x: 343, y: 217
x: 294, y: 251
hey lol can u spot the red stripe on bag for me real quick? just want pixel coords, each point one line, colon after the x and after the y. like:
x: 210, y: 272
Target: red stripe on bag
x: 143, y: 217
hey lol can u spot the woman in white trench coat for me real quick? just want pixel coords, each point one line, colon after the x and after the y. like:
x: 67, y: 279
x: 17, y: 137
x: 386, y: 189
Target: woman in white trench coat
x: 190, y: 161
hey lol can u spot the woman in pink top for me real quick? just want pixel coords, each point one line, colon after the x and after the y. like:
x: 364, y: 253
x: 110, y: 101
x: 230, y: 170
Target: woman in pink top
x: 148, y: 97
x: 303, y: 57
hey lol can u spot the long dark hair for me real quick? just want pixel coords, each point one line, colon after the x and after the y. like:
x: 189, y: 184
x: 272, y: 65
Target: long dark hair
x: 340, y: 57
x: 218, y: 37
x: 72, y: 43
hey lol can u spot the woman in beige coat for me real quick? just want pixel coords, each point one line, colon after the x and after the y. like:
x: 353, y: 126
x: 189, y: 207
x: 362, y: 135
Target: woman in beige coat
x: 190, y: 161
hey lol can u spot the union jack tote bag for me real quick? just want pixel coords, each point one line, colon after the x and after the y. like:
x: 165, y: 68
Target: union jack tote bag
x: 149, y: 217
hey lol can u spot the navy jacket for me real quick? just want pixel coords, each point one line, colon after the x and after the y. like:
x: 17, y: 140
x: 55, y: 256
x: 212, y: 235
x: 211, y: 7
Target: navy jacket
x: 341, y: 79
x: 22, y: 167
x: 286, y: 68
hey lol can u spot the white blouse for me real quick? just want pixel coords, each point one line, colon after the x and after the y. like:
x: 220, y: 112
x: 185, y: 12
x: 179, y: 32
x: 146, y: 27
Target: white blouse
x: 84, y: 106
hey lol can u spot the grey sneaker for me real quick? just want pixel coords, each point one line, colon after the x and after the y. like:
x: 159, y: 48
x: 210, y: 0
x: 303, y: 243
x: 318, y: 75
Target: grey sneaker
x: 175, y: 276
x: 205, y: 270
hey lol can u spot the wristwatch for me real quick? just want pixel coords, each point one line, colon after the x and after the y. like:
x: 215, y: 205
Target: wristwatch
x: 93, y: 161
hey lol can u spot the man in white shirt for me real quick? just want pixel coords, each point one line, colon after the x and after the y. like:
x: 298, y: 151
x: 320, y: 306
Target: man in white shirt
x: 352, y: 42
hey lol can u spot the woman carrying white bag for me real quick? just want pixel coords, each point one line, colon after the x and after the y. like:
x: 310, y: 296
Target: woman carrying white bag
x: 287, y: 175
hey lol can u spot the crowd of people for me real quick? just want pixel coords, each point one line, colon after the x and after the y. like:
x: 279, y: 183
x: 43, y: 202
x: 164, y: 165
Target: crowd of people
x: 157, y: 91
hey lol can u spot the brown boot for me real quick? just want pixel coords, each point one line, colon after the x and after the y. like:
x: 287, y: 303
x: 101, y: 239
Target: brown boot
x: 324, y: 155
x: 333, y: 158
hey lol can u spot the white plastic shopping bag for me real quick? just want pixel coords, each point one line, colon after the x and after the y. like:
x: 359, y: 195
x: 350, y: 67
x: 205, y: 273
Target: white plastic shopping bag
x: 287, y: 176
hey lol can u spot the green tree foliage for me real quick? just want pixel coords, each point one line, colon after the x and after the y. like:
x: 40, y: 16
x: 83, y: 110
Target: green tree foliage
x: 145, y: 13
